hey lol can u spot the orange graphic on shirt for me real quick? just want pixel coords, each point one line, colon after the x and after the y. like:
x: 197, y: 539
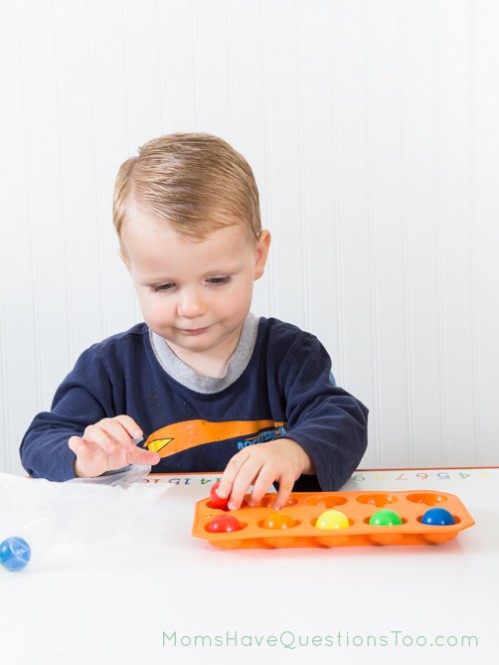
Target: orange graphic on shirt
x: 181, y: 436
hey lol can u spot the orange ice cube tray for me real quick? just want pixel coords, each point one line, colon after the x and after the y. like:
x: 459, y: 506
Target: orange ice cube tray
x: 305, y: 508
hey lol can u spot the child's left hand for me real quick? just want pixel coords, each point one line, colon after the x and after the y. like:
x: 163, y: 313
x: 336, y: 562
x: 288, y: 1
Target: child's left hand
x: 281, y: 460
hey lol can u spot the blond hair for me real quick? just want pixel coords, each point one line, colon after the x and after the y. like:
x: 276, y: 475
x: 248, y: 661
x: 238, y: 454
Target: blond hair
x: 194, y: 182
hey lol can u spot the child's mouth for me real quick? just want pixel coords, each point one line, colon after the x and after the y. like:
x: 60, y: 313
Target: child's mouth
x: 194, y: 331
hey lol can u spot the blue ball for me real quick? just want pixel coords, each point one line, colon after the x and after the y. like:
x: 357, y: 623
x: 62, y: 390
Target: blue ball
x: 437, y: 517
x: 14, y: 553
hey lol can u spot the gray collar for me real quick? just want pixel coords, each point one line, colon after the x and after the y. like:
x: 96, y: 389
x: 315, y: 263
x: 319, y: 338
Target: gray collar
x: 207, y: 384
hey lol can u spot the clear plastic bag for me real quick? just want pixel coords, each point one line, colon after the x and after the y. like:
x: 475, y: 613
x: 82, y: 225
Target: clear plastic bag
x: 89, y: 510
x: 123, y: 477
x: 23, y: 515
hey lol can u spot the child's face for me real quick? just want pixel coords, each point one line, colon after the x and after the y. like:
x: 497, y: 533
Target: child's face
x: 194, y: 294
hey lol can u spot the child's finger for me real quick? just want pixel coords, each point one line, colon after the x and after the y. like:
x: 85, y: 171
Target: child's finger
x: 230, y: 473
x: 112, y: 433
x: 130, y: 426
x: 87, y: 463
x: 142, y: 456
x: 115, y: 430
x: 100, y: 436
x: 286, y: 483
x: 262, y: 484
x: 246, y: 476
x: 76, y: 444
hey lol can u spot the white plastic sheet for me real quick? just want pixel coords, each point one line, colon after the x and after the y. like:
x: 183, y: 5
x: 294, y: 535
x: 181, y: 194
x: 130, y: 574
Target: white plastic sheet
x: 43, y: 512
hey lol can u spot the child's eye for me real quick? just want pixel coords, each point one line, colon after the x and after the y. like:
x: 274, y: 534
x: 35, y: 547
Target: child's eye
x: 222, y: 279
x: 163, y: 287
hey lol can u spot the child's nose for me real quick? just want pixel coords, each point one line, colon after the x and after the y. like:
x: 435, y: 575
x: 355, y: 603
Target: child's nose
x: 191, y: 304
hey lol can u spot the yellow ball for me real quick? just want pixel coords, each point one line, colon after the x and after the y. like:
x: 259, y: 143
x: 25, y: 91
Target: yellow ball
x: 332, y: 519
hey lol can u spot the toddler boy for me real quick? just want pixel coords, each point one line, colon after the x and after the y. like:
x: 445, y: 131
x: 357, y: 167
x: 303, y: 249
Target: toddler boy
x: 227, y: 390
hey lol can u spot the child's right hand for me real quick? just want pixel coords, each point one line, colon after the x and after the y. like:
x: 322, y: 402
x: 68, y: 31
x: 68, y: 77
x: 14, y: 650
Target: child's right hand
x: 108, y: 445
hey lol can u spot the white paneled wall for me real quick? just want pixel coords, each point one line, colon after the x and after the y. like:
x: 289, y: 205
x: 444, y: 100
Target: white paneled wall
x: 373, y: 130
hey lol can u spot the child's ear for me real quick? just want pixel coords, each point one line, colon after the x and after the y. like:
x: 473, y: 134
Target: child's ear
x: 262, y: 252
x: 123, y: 256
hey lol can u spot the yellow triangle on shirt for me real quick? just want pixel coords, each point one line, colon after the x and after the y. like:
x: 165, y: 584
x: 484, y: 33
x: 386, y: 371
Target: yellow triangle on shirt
x: 158, y: 444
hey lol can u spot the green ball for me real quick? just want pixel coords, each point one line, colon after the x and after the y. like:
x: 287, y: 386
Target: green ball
x: 385, y: 517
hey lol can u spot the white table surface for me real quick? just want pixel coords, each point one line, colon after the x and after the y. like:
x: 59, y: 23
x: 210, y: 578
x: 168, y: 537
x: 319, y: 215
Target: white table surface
x: 116, y: 577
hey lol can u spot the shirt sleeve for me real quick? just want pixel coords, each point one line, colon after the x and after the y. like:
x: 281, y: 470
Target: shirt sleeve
x: 85, y: 396
x: 328, y: 422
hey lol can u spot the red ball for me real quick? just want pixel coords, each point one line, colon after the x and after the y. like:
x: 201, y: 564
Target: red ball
x: 224, y: 524
x: 215, y: 500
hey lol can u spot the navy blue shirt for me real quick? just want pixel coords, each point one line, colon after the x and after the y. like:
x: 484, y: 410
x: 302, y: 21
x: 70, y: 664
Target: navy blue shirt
x: 287, y: 380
